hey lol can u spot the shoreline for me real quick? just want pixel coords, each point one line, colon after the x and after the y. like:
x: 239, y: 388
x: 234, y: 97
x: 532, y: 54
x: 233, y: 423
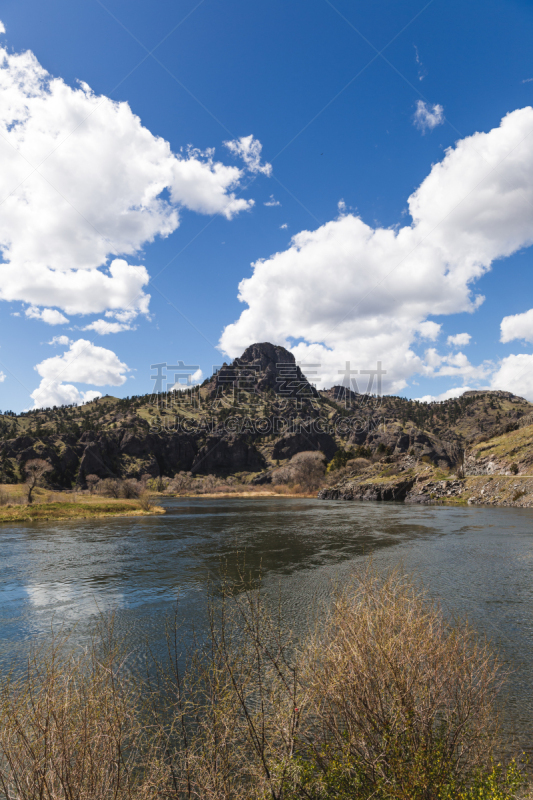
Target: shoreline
x: 59, y: 512
x: 225, y: 495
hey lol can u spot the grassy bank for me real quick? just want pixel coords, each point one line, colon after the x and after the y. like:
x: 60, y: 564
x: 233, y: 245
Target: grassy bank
x: 383, y: 700
x: 67, y: 505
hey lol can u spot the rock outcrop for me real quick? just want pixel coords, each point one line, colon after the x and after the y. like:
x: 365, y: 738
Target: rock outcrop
x: 390, y: 490
x: 264, y: 367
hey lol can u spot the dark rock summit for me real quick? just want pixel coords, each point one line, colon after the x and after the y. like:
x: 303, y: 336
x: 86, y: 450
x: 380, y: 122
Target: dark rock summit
x: 261, y: 368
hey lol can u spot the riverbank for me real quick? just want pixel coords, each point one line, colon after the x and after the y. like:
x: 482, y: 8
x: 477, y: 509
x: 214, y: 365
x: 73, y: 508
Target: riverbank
x: 429, y: 486
x: 249, y: 494
x: 67, y: 505
x: 488, y: 490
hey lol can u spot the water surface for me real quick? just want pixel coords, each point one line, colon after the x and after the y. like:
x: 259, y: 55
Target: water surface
x: 476, y: 561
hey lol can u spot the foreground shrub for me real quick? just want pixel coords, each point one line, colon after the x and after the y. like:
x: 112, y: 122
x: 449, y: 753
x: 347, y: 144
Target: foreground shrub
x: 404, y: 701
x: 384, y: 700
x: 70, y: 729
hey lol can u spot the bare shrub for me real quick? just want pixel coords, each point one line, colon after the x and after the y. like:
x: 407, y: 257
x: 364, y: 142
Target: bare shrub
x: 145, y: 501
x: 5, y: 498
x: 385, y: 700
x: 404, y: 700
x: 35, y: 469
x: 129, y: 489
x: 182, y: 482
x: 306, y: 469
x: 206, y: 484
x: 92, y: 482
x: 282, y: 476
x: 109, y: 487
x: 69, y: 728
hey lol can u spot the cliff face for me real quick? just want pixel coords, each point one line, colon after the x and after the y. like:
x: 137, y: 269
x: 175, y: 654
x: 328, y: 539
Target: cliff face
x: 260, y: 411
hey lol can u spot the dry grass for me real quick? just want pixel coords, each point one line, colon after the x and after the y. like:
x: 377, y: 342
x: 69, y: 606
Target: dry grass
x: 65, y: 505
x: 384, y: 701
x: 70, y: 728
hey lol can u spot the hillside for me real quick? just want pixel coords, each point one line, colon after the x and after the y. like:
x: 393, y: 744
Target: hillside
x: 252, y: 417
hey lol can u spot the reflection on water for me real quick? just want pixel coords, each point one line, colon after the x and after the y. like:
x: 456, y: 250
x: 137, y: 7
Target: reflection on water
x: 475, y: 561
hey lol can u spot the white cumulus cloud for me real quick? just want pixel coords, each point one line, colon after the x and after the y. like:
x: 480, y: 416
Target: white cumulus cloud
x: 515, y: 374
x: 517, y: 326
x: 81, y: 192
x: 428, y: 117
x: 83, y: 362
x: 459, y: 340
x: 49, y: 315
x: 348, y: 291
x: 63, y: 341
x: 2, y: 377
x: 272, y: 202
x: 429, y: 330
x: 102, y: 326
x: 2, y: 27
x: 249, y: 149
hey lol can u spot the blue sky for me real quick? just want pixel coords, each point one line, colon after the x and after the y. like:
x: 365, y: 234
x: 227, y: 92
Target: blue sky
x: 330, y: 92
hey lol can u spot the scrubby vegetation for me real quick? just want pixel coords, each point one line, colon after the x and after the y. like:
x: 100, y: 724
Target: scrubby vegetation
x: 383, y: 699
x: 15, y: 504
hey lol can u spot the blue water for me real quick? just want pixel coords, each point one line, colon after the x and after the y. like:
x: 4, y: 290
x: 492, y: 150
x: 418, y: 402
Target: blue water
x: 477, y: 561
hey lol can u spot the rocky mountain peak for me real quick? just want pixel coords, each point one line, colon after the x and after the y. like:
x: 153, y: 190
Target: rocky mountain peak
x: 264, y: 366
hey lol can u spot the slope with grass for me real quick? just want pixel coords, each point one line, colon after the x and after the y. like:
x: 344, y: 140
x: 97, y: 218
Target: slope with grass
x: 248, y: 422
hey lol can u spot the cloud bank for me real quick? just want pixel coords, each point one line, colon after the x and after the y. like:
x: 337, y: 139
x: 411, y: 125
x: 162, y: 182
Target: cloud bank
x: 84, y: 186
x: 350, y: 292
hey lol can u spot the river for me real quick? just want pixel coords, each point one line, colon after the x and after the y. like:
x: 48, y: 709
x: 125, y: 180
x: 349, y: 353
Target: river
x: 476, y: 561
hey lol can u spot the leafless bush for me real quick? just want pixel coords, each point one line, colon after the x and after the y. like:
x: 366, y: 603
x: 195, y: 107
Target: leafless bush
x: 145, y: 502
x: 129, y: 489
x: 5, y: 498
x: 182, y: 482
x: 206, y: 484
x: 109, y: 487
x: 281, y: 476
x: 235, y: 717
x: 306, y: 469
x: 403, y: 699
x: 92, y: 482
x: 35, y: 469
x: 70, y: 728
x: 386, y: 700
